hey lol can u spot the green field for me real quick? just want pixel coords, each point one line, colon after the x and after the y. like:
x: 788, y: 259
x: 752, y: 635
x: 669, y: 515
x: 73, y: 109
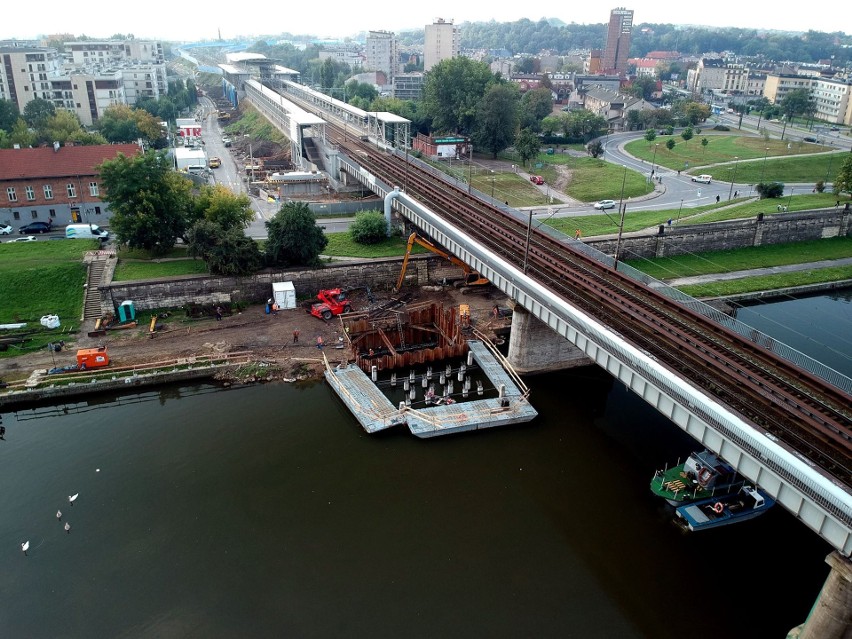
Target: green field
x: 756, y: 159
x: 342, y: 245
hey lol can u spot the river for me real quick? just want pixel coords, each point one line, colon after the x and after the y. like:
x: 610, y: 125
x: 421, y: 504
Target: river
x: 265, y: 511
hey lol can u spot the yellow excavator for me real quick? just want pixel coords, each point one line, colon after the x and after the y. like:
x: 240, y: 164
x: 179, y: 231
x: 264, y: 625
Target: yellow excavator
x: 471, y: 277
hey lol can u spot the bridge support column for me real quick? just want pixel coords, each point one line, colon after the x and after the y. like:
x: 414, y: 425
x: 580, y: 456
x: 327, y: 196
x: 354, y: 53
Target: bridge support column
x: 831, y: 616
x: 535, y: 348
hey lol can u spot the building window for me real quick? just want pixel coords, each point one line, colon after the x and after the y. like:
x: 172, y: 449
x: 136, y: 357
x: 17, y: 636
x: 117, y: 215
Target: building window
x: 69, y: 188
x: 30, y: 193
x: 48, y: 192
x: 34, y: 214
x: 93, y: 189
x: 52, y: 212
x: 16, y: 215
x: 97, y: 210
x: 10, y: 193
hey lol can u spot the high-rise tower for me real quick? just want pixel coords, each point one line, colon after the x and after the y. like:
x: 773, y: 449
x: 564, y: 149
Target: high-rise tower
x: 618, y: 40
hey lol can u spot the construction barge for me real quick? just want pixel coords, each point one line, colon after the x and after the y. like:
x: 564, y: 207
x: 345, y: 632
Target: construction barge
x: 382, y: 345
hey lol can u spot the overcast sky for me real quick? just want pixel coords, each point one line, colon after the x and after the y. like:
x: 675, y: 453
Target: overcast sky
x: 159, y: 19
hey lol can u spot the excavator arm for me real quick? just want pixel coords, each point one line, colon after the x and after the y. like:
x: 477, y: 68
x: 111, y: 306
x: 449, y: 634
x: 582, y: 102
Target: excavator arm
x: 471, y: 277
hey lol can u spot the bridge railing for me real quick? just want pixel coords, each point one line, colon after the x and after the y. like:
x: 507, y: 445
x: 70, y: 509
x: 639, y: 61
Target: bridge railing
x: 781, y: 349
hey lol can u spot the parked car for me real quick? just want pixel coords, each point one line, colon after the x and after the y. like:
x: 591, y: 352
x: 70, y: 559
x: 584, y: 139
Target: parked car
x: 34, y: 227
x: 834, y: 128
x: 5, y: 229
x: 536, y: 179
x: 605, y: 204
x: 704, y: 179
x: 28, y: 238
x: 808, y: 138
x: 226, y: 141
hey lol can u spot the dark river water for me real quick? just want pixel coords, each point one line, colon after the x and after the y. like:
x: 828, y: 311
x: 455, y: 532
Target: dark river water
x: 266, y: 512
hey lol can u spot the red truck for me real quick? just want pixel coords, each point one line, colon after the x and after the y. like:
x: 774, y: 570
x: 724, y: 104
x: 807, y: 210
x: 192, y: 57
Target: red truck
x: 536, y: 179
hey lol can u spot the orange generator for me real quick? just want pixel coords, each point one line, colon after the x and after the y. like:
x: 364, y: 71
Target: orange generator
x: 92, y: 357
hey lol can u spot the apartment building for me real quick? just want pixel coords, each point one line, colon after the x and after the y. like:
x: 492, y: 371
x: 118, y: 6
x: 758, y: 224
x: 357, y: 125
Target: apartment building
x: 831, y: 97
x: 408, y: 86
x: 92, y: 77
x: 381, y: 53
x: 618, y: 35
x: 716, y: 74
x: 443, y: 41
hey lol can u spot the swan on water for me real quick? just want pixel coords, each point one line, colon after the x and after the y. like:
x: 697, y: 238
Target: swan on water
x: 59, y: 515
x: 25, y: 546
x: 73, y: 498
x: 67, y: 527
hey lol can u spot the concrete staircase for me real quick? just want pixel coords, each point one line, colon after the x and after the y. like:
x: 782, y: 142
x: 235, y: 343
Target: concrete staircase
x: 97, y: 261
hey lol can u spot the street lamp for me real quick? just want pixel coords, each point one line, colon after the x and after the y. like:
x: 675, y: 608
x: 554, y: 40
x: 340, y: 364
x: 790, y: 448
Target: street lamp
x: 621, y: 224
x: 736, y: 163
x: 678, y: 212
x: 654, y: 160
x: 492, y: 184
x: 469, y: 167
x: 763, y: 167
x: 790, y: 201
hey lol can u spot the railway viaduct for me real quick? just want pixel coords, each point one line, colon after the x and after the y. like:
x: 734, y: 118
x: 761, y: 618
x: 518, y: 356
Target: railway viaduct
x: 553, y: 327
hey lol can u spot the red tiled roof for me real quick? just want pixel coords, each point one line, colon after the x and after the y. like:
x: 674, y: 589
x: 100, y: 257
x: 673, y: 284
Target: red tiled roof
x: 44, y: 162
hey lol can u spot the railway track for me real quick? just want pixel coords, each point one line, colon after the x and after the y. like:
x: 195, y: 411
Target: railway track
x: 810, y: 416
x: 805, y: 413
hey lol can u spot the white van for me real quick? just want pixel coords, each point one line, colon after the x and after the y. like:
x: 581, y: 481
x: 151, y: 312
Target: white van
x: 86, y: 232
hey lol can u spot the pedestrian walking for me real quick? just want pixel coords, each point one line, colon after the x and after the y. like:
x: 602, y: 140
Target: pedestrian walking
x: 577, y: 234
x: 319, y: 342
x: 218, y: 313
x: 717, y: 199
x: 296, y: 336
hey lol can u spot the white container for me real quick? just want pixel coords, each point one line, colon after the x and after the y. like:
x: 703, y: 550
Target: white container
x: 284, y: 294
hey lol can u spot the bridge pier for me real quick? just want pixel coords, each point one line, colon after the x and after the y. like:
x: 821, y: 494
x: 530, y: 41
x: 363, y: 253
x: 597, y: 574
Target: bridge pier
x: 534, y: 347
x: 831, y: 616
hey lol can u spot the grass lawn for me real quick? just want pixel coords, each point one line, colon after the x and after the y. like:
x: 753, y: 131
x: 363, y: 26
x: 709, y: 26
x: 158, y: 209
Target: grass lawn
x: 41, y: 278
x: 607, y: 223
x: 342, y: 245
x: 769, y: 282
x: 746, y: 258
x: 720, y: 148
x: 126, y: 271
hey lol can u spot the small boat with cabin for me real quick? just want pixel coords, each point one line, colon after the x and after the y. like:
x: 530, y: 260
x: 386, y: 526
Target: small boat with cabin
x: 748, y: 502
x: 702, y: 475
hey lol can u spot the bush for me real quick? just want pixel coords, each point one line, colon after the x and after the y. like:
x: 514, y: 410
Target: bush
x: 369, y: 228
x: 820, y: 186
x: 721, y: 127
x: 769, y: 189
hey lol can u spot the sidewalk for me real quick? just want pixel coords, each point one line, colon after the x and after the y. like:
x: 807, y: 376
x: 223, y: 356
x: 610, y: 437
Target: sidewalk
x: 771, y: 270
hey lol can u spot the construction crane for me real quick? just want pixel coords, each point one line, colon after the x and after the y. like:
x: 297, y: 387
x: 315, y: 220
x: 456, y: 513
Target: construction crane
x: 471, y: 277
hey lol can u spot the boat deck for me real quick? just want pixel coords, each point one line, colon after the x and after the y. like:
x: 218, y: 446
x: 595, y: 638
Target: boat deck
x: 375, y: 412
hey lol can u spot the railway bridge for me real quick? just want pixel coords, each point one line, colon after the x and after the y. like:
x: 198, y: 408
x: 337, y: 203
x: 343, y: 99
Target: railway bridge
x: 779, y: 418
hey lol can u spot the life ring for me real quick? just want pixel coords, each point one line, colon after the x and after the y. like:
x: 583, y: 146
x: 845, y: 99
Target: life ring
x: 718, y: 508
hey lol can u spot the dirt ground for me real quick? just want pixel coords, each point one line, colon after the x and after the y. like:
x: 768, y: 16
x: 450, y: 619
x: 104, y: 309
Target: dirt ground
x: 268, y: 337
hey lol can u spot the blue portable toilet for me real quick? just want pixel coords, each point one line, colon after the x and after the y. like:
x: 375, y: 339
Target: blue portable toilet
x: 126, y: 312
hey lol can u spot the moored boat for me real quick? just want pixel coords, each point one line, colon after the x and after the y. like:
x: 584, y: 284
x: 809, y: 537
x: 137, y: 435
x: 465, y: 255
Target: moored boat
x: 703, y: 475
x: 748, y: 502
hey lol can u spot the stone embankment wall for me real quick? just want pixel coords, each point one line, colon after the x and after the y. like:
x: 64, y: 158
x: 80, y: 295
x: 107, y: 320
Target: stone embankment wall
x: 381, y: 274
x: 735, y: 234
x: 173, y: 292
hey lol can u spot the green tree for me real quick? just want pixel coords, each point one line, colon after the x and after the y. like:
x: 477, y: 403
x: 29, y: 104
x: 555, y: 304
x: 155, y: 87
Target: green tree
x: 9, y: 114
x: 327, y: 73
x: 21, y: 134
x: 527, y: 145
x: 585, y: 125
x: 497, y: 119
x: 150, y: 202
x: 220, y: 205
x: 693, y: 112
x: 225, y: 251
x: 687, y: 134
x: 294, y: 239
x: 535, y: 106
x: 369, y: 227
x: 797, y: 102
x: 643, y: 87
x: 670, y: 144
x: 452, y: 90
x: 595, y: 149
x: 62, y: 127
x: 843, y: 179
x: 362, y: 90
x: 650, y: 136
x: 769, y: 189
x: 37, y: 112
x: 704, y: 143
